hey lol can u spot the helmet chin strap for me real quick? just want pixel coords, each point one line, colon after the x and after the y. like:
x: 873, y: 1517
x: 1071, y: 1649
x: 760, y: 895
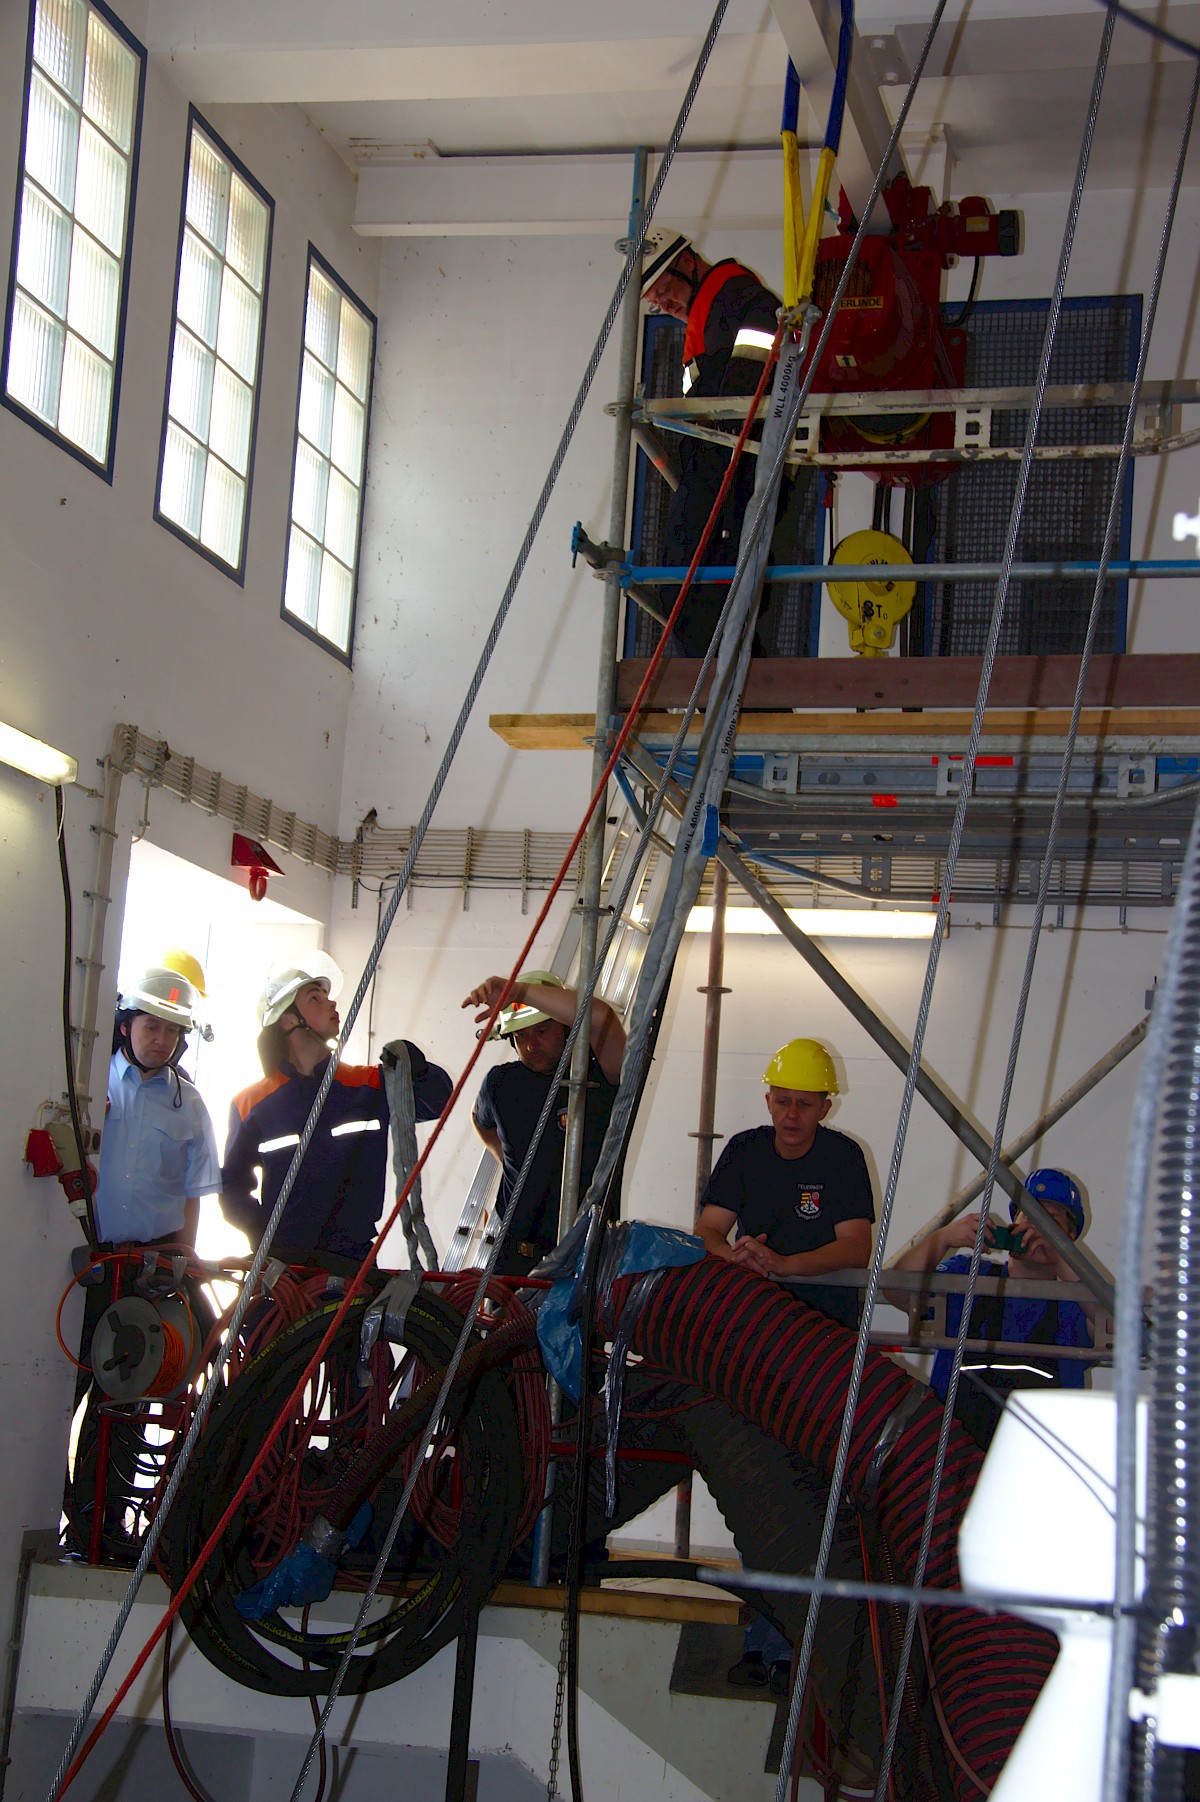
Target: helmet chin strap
x: 302, y: 1025
x: 691, y: 280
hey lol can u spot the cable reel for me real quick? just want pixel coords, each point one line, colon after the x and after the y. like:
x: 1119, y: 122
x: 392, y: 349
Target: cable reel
x: 872, y: 609
x: 146, y: 1349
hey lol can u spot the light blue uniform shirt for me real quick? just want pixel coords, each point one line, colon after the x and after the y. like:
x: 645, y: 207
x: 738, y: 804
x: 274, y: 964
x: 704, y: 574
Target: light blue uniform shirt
x: 153, y: 1155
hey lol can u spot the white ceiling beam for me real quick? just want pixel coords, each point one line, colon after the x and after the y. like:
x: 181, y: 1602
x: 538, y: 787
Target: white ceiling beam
x: 522, y: 196
x: 810, y: 31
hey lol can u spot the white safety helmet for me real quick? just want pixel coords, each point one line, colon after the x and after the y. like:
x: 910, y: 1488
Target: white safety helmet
x: 286, y: 978
x: 661, y: 245
x: 163, y: 992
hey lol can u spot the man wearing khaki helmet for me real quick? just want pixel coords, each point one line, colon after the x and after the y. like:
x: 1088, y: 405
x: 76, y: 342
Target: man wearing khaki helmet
x: 506, y: 1112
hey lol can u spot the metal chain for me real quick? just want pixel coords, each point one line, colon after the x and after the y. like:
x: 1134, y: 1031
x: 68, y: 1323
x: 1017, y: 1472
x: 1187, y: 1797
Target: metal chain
x: 564, y: 1637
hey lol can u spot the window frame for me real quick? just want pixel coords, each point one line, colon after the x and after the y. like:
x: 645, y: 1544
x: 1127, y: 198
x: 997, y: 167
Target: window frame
x: 103, y: 470
x: 292, y: 619
x: 196, y: 120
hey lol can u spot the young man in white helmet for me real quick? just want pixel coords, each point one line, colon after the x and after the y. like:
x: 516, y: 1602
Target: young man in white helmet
x: 731, y: 320
x: 510, y: 1103
x: 797, y: 1197
x: 334, y: 1209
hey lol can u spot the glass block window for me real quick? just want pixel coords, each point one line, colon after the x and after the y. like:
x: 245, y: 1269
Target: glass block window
x: 74, y: 218
x: 330, y: 465
x: 216, y: 352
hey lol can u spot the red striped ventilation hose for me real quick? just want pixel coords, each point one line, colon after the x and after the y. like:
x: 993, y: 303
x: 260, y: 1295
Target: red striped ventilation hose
x: 787, y: 1368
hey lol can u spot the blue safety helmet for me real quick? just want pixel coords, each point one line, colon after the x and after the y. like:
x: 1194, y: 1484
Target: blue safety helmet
x: 1057, y: 1186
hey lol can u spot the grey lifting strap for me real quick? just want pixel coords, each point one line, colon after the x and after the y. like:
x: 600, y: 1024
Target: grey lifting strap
x: 402, y: 1105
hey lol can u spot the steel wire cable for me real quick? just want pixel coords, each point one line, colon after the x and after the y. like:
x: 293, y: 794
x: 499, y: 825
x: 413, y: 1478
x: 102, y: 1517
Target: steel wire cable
x: 1152, y: 28
x: 632, y: 262
x: 956, y: 833
x: 1110, y: 535
x: 1127, y: 1359
x: 585, y: 992
x: 357, y: 1282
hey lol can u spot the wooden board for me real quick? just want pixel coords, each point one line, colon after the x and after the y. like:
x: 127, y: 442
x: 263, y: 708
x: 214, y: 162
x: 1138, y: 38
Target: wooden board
x: 1158, y: 680
x: 631, y: 1604
x: 1141, y: 726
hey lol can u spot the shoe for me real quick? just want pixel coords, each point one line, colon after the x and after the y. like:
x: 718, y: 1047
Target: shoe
x: 780, y: 1677
x: 748, y: 1673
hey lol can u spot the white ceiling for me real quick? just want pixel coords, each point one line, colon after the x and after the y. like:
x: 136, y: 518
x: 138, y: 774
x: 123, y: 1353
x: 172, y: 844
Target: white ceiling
x: 1008, y: 84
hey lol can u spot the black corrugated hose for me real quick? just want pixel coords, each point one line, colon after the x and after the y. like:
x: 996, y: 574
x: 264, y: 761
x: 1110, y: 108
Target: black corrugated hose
x: 1170, y: 1636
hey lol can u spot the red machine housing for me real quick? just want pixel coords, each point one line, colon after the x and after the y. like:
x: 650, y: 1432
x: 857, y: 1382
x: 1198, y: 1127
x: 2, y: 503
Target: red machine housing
x: 888, y: 334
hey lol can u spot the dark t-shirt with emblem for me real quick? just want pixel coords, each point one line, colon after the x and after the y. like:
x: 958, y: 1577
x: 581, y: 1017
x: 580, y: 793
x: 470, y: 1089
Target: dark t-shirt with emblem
x: 796, y: 1202
x: 510, y: 1103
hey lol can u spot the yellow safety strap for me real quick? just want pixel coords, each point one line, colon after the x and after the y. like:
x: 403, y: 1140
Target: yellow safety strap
x: 812, y: 230
x: 793, y: 219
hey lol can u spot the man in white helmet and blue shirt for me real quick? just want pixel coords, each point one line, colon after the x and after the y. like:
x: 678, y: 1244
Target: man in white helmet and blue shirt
x: 158, y: 1153
x: 158, y: 1157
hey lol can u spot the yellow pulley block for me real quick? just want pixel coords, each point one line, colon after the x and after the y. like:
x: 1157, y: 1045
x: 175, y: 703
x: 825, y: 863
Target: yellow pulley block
x: 872, y: 609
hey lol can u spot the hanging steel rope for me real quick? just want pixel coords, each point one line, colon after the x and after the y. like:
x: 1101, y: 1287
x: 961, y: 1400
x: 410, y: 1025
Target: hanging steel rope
x: 955, y: 840
x: 632, y: 261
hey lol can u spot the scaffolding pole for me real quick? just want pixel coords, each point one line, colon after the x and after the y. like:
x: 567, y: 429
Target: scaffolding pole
x: 588, y: 892
x: 704, y: 1134
x: 1054, y: 1113
x: 942, y: 1104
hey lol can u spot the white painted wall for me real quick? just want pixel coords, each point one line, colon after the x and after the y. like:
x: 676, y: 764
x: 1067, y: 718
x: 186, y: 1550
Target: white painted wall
x: 107, y: 618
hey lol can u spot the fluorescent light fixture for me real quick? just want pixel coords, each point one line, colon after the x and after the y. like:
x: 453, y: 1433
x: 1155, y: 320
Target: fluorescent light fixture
x: 824, y: 922
x: 35, y: 758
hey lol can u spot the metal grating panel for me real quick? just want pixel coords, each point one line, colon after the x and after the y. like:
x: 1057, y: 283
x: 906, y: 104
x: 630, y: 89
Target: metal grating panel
x: 1067, y: 504
x: 787, y: 623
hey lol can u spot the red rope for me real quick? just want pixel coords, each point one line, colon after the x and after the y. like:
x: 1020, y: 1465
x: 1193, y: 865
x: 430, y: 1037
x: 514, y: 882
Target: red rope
x: 354, y: 1289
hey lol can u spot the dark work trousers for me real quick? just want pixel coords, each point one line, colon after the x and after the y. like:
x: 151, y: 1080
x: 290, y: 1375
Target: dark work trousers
x: 702, y: 470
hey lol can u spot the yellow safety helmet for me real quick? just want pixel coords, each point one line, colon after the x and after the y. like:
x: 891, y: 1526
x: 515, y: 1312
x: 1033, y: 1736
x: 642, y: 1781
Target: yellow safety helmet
x: 802, y: 1064
x: 187, y: 966
x: 518, y: 1015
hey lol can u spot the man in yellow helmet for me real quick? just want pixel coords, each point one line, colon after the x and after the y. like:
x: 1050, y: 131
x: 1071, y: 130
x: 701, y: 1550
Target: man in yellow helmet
x: 800, y: 1198
x: 798, y: 1193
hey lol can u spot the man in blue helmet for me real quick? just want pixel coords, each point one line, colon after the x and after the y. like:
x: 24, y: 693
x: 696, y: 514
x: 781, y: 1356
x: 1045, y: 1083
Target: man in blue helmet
x: 1013, y: 1320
